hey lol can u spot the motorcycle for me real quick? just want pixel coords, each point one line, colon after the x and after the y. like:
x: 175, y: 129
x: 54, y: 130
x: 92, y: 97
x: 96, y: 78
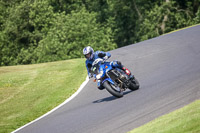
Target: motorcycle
x: 115, y: 80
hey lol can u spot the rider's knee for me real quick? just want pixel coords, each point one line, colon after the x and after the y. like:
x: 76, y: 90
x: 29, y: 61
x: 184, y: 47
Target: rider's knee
x: 116, y: 64
x: 119, y: 63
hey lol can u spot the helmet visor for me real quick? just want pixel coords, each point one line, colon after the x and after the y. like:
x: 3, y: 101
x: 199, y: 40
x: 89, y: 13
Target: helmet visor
x: 87, y: 56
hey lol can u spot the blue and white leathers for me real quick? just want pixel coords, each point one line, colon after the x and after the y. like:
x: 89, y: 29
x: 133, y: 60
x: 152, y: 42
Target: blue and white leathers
x: 96, y: 55
x: 102, y: 55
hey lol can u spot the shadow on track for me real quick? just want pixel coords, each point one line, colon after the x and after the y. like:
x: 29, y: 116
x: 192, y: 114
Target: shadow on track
x: 111, y: 98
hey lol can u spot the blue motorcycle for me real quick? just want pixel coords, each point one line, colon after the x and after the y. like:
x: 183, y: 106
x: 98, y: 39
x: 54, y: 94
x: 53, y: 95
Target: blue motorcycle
x: 115, y: 80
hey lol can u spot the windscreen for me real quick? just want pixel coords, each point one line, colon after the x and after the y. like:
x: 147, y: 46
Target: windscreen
x: 95, y: 68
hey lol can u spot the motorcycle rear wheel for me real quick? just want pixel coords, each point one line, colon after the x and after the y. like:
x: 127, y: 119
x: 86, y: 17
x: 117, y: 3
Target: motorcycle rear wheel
x: 134, y: 85
x: 112, y: 90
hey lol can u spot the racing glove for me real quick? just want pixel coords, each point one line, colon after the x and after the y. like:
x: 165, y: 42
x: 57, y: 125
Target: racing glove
x: 105, y: 57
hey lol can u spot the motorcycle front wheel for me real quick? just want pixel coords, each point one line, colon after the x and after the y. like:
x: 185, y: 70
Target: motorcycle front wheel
x: 112, y: 89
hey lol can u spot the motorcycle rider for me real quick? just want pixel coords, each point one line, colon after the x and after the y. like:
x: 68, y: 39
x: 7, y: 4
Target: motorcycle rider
x: 90, y: 56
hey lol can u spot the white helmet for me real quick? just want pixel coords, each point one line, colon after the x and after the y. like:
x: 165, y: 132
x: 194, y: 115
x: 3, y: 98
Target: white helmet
x: 88, y: 50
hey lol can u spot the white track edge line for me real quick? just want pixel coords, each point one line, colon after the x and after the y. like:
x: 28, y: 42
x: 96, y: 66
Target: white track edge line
x: 66, y: 101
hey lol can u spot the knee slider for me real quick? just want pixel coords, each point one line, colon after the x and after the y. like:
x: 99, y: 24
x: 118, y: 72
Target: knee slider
x: 119, y: 63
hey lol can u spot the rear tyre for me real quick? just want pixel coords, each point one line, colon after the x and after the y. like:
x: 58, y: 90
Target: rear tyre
x: 110, y: 88
x: 134, y: 85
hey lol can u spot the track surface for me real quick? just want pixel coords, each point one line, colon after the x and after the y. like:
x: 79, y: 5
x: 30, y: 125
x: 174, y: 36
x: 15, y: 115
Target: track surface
x: 168, y: 69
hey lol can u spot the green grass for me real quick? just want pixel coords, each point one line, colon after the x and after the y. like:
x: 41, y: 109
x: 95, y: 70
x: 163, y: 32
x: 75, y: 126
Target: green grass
x: 184, y: 120
x: 29, y: 91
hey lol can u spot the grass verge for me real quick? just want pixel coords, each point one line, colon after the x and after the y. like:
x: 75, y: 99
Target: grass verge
x: 184, y: 120
x: 29, y: 91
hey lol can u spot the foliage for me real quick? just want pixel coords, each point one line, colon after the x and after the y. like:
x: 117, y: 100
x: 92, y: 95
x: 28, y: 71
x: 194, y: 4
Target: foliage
x: 164, y: 18
x: 26, y: 25
x: 71, y: 33
x: 41, y: 31
x: 66, y: 5
x: 197, y: 18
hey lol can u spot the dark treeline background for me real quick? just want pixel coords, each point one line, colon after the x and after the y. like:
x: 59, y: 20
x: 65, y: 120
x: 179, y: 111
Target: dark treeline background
x: 35, y: 31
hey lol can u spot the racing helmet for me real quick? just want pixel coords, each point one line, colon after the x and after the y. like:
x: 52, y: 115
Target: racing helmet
x: 88, y: 50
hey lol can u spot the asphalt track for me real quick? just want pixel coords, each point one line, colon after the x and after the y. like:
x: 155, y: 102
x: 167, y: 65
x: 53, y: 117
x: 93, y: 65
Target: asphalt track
x: 168, y: 69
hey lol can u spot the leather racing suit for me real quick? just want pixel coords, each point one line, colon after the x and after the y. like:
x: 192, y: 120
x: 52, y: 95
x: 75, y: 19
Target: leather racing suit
x: 102, y: 55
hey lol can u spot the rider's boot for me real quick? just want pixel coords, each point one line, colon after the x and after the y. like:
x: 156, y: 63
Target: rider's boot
x: 119, y: 65
x: 127, y: 71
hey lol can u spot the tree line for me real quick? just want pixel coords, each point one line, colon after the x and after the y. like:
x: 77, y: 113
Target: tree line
x: 36, y: 31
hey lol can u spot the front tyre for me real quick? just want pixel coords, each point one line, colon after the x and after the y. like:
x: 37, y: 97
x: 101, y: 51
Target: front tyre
x: 134, y: 85
x: 112, y: 90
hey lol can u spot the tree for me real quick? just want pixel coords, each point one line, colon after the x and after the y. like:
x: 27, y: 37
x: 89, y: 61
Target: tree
x: 66, y: 39
x: 34, y: 31
x: 162, y: 19
x: 26, y: 24
x: 197, y: 18
x: 65, y: 5
x: 40, y: 19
